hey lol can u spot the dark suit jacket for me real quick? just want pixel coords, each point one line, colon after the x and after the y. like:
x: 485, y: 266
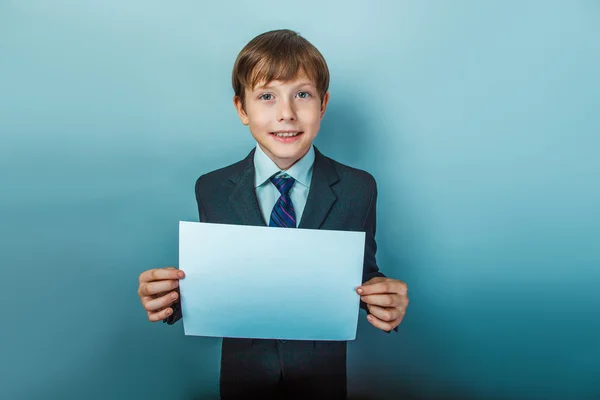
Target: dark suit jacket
x: 340, y: 198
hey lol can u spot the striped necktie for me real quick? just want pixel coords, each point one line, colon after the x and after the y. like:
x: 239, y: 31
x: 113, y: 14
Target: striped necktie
x: 283, y: 214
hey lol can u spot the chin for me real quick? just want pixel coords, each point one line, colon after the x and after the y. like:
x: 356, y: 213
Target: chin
x: 288, y: 154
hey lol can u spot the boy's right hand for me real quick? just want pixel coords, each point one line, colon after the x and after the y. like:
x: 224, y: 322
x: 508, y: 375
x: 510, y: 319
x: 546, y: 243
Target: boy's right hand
x: 158, y: 289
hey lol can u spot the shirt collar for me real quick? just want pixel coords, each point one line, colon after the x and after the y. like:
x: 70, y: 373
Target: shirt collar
x: 265, y: 168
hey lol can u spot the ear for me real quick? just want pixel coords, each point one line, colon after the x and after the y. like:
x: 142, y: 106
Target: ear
x: 324, y: 104
x: 237, y: 102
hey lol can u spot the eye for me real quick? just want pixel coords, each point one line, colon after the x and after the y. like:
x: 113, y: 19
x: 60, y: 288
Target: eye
x: 303, y: 95
x: 266, y: 96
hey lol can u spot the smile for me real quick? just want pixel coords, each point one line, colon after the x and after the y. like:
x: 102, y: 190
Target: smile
x: 285, y: 134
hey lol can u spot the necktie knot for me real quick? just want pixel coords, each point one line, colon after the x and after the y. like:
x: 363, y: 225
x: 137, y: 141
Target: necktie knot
x: 283, y: 182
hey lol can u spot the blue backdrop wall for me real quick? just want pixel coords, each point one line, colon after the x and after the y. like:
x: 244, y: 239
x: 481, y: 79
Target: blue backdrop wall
x: 478, y: 119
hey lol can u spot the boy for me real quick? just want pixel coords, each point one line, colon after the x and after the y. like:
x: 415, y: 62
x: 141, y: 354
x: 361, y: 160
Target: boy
x: 281, y: 85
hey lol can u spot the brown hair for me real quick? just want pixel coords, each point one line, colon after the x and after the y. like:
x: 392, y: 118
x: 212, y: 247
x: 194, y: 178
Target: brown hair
x: 278, y: 55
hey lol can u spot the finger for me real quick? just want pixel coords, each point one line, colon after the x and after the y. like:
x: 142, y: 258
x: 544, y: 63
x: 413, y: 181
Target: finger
x: 386, y: 314
x: 383, y: 325
x: 377, y: 279
x: 383, y: 300
x: 388, y: 286
x: 156, y: 304
x: 158, y: 274
x: 159, y: 316
x: 380, y: 287
x: 156, y: 287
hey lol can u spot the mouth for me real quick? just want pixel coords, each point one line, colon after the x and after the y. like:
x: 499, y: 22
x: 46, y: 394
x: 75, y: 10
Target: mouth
x: 286, y: 136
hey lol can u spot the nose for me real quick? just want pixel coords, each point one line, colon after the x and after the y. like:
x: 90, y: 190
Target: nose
x: 285, y: 112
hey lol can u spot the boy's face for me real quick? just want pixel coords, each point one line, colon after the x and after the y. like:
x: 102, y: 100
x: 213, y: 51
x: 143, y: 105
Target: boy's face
x: 284, y: 117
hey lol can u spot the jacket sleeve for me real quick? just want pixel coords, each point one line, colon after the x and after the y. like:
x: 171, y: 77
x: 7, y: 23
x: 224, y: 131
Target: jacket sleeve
x: 370, y: 268
x: 176, y: 316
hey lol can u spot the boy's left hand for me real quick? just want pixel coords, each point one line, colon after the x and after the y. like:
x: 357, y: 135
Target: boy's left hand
x: 386, y: 300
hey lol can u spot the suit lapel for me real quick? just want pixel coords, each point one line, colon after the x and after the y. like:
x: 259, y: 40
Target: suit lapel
x: 243, y: 197
x: 318, y: 204
x: 320, y: 196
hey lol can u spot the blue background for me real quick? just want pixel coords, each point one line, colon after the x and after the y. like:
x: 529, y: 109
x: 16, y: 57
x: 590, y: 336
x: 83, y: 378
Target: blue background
x: 478, y: 119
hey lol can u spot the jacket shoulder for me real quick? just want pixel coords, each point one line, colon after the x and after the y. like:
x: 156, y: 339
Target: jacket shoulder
x: 220, y: 178
x: 358, y: 178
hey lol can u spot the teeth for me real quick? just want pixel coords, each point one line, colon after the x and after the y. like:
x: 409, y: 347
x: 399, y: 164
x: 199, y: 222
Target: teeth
x: 286, y: 134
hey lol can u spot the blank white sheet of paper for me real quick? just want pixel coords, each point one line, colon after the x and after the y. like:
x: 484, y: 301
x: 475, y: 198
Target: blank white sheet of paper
x: 269, y: 283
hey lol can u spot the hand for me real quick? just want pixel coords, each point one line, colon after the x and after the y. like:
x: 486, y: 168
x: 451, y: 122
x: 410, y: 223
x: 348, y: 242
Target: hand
x: 386, y: 300
x: 158, y: 289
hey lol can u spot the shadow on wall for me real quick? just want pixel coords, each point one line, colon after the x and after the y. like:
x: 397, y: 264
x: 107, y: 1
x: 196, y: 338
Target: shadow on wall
x: 121, y: 369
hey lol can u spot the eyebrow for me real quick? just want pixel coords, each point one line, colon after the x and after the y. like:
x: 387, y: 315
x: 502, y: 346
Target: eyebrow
x: 301, y: 84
